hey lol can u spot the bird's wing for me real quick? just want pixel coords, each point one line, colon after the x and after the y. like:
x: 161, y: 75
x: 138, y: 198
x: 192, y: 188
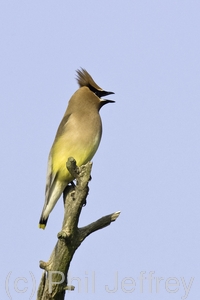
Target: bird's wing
x: 49, y: 185
x: 52, y: 185
x: 51, y: 176
x: 63, y: 125
x: 49, y: 179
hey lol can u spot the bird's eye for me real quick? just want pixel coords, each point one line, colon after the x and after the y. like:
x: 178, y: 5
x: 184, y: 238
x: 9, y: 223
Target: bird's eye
x: 95, y: 91
x: 98, y: 94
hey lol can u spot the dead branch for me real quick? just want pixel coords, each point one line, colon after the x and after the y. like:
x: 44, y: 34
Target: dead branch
x: 54, y: 279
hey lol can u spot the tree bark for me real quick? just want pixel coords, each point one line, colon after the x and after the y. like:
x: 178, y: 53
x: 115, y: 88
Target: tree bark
x: 53, y: 283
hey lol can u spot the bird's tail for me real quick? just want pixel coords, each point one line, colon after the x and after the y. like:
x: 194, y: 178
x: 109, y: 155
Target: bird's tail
x: 48, y: 206
x: 43, y: 222
x: 51, y: 198
x: 44, y: 215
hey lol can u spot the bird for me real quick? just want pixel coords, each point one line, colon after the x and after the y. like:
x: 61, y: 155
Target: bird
x: 78, y: 136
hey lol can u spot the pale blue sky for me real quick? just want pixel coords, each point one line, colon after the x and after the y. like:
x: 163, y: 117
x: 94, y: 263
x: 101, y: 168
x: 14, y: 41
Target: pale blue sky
x: 148, y: 163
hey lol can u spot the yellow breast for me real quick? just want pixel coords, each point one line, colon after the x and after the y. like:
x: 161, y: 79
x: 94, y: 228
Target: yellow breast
x: 81, y: 150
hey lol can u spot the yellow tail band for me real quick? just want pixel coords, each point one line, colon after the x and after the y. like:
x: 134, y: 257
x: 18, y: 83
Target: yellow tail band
x: 42, y: 226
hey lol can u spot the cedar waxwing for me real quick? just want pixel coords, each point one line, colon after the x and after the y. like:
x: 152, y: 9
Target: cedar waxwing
x: 78, y: 135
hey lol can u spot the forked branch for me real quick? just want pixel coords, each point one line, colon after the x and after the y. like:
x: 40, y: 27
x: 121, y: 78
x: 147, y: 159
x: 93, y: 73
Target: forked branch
x: 54, y: 279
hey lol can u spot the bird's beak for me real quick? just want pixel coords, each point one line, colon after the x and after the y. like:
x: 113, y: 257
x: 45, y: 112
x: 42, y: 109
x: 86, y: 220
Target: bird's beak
x: 105, y: 93
x: 102, y: 93
x: 105, y: 101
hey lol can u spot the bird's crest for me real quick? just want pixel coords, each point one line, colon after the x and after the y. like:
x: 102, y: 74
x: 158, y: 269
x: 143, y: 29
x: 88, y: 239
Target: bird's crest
x: 84, y: 79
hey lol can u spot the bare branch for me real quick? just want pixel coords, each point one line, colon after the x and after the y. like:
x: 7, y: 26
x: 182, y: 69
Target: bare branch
x: 99, y: 224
